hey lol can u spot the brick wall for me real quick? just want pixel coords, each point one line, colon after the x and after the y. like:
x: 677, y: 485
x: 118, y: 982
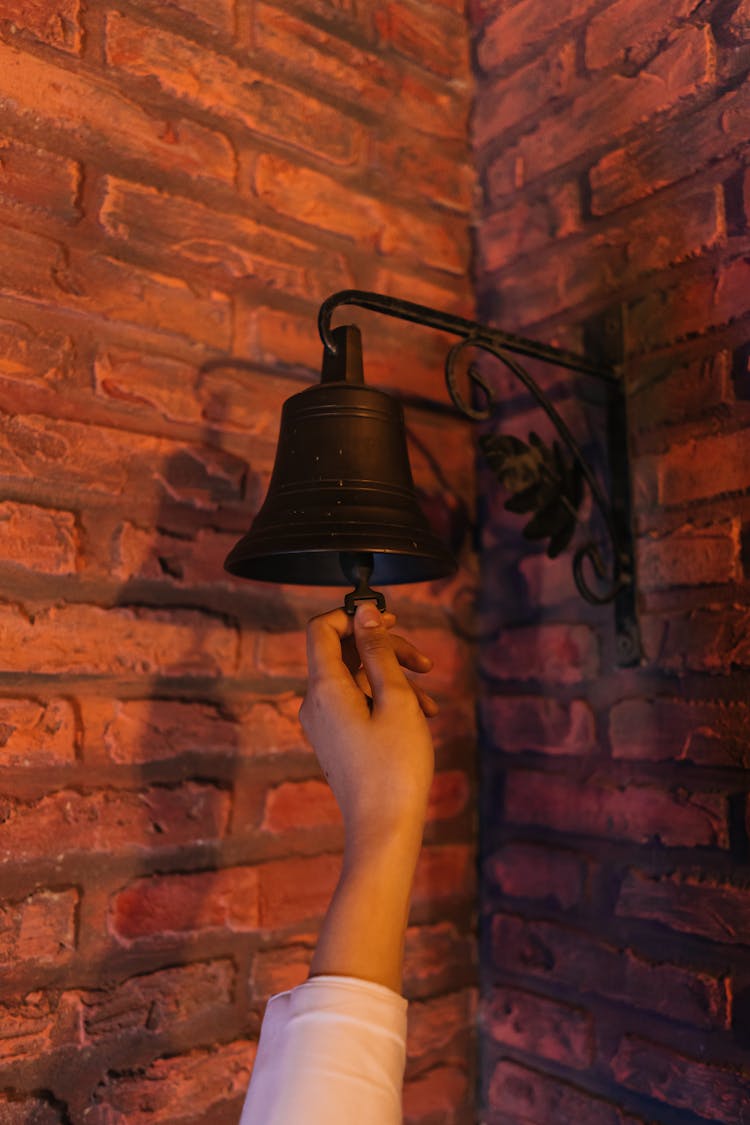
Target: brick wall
x: 612, y: 145
x: 181, y: 183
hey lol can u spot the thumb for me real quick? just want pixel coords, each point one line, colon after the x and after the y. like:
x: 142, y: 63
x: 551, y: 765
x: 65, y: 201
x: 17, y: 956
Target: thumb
x: 376, y: 651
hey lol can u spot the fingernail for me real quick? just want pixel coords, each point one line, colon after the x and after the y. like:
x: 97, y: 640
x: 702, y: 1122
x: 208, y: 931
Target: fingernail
x: 368, y: 615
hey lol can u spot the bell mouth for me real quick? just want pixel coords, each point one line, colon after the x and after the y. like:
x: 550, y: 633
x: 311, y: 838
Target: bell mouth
x: 310, y: 565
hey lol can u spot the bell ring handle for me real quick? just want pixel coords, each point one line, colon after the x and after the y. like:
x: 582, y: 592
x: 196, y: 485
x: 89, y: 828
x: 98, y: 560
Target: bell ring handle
x: 357, y: 567
x: 352, y: 600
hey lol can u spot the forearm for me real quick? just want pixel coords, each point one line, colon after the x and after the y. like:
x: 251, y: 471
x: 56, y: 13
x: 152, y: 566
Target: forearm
x: 364, y: 929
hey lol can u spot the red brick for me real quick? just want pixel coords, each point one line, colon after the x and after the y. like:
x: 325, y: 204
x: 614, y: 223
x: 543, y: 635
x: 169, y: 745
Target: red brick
x: 220, y: 14
x: 435, y: 1096
x: 609, y: 109
x: 697, y: 469
x: 39, y: 269
x: 451, y: 295
x: 292, y: 891
x: 436, y: 1022
x: 30, y: 356
x: 29, y: 1111
x: 705, y: 640
x: 205, y: 1083
x: 70, y: 639
x: 99, y: 119
x: 708, y: 734
x: 403, y: 360
x: 523, y: 28
x: 656, y: 158
x: 113, y: 821
x: 137, y: 552
x: 559, y: 275
x: 145, y: 552
x: 57, y: 24
x: 217, y: 84
x: 434, y: 955
x: 449, y: 796
x: 619, y: 813
x: 538, y: 1099
x: 225, y: 245
x: 158, y: 1002
x: 153, y: 729
x: 105, y: 461
x: 40, y: 930
x: 690, y: 556
x: 566, y: 957
x: 524, y: 91
x: 302, y: 47
x: 300, y: 804
x: 690, y: 903
x: 659, y: 237
x: 520, y: 723
x: 118, y: 291
x: 162, y: 906
x: 174, y: 390
x: 44, y: 538
x: 686, y: 392
x: 549, y: 582
x: 140, y: 553
x: 527, y: 1022
x: 433, y: 108
x: 39, y: 180
x: 397, y: 163
x: 527, y: 225
x: 629, y: 32
x: 277, y: 970
x: 444, y: 871
x: 381, y: 85
x: 33, y: 1026
x: 35, y: 733
x: 660, y: 318
x: 535, y: 872
x: 327, y: 204
x: 565, y: 654
x: 739, y: 21
x: 712, y: 1092
x: 434, y: 40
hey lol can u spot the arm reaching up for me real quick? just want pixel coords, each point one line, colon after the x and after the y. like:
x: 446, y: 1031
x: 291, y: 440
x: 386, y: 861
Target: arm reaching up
x: 379, y: 761
x: 333, y: 1049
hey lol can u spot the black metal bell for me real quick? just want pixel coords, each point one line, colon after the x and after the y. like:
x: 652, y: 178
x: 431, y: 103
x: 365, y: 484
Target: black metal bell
x: 341, y: 489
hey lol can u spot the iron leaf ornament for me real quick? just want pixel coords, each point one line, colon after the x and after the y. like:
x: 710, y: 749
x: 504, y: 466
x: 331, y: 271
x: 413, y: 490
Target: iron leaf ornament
x: 541, y: 481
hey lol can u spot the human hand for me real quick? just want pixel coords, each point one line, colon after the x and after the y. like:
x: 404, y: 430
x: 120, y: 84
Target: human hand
x: 367, y: 724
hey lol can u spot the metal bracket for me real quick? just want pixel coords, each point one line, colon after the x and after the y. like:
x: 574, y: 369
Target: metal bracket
x: 604, y: 340
x: 551, y: 491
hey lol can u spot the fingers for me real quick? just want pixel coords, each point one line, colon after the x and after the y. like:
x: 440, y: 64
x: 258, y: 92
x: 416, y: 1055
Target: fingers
x: 429, y: 706
x: 326, y: 635
x: 408, y: 655
x: 337, y: 643
x: 376, y: 652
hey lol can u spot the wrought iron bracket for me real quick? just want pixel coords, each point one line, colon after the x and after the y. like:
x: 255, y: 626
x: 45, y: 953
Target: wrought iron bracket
x: 541, y: 480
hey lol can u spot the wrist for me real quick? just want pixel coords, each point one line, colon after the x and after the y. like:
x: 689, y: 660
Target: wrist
x: 393, y: 843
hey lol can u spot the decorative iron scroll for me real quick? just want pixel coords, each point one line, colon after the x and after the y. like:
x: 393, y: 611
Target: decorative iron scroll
x: 545, y: 482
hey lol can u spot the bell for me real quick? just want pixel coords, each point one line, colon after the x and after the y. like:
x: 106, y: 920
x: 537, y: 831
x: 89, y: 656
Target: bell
x: 341, y: 505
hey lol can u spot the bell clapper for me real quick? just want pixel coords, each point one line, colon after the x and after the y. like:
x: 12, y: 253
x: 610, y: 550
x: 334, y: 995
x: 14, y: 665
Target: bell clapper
x: 357, y: 566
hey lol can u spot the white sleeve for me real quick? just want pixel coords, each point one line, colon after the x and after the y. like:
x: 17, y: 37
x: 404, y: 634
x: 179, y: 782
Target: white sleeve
x: 331, y: 1051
